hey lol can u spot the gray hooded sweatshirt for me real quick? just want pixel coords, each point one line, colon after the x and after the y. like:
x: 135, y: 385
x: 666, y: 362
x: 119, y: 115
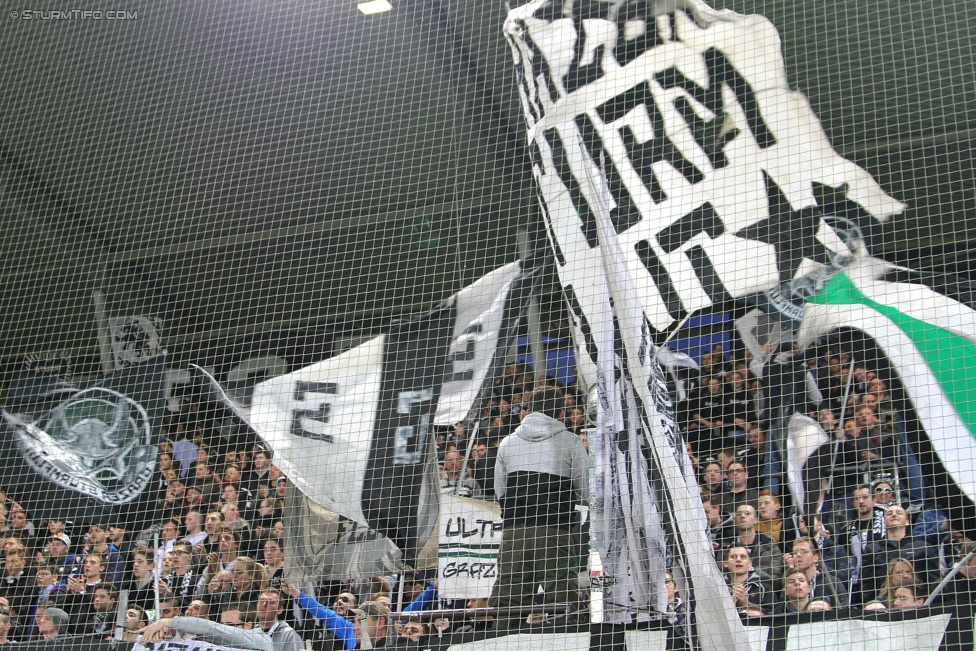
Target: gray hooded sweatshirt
x: 541, y: 474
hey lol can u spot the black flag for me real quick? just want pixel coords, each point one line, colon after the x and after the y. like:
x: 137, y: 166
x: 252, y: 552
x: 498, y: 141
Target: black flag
x: 86, y: 452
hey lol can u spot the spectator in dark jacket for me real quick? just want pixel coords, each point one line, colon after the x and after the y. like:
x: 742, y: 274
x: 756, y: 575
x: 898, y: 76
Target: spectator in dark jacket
x: 898, y: 542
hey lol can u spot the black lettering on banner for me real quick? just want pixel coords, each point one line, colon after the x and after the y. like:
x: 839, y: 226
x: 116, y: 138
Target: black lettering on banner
x: 626, y: 51
x: 657, y: 149
x: 540, y: 66
x: 720, y: 73
x: 574, y: 306
x: 470, y: 570
x: 455, y: 373
x: 580, y: 75
x: 558, y: 250
x: 319, y: 413
x: 703, y: 219
x: 407, y: 448
x: 662, y: 279
x: 625, y: 214
x: 561, y: 162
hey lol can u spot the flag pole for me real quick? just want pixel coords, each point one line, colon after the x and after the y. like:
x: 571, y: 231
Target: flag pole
x: 833, y: 459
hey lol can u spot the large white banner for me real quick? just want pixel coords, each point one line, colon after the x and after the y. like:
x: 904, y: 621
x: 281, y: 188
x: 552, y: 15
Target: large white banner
x: 319, y: 422
x: 469, y: 539
x: 720, y: 175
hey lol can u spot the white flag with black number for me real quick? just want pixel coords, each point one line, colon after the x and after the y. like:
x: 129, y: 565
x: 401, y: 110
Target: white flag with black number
x: 353, y: 435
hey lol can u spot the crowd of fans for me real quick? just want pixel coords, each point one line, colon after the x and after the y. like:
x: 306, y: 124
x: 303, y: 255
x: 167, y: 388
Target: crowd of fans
x: 872, y: 539
x: 874, y: 530
x: 216, y: 554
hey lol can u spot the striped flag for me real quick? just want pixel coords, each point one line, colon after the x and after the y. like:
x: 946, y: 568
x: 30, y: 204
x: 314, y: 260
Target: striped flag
x: 929, y: 338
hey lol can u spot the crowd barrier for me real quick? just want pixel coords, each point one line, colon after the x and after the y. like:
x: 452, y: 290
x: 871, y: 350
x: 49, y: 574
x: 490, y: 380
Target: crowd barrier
x: 925, y: 629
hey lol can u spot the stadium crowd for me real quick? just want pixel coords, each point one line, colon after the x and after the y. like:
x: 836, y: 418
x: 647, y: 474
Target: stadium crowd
x: 873, y: 541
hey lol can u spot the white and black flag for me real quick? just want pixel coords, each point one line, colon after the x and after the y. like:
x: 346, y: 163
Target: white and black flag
x: 722, y: 182
x: 353, y: 435
x: 489, y: 312
x: 84, y: 452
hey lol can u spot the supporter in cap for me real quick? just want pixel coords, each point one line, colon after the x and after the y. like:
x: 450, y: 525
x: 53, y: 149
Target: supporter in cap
x: 52, y: 624
x: 413, y: 584
x: 58, y: 553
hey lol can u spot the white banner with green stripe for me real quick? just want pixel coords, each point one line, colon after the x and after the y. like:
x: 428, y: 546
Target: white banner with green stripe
x: 468, y: 543
x: 930, y: 340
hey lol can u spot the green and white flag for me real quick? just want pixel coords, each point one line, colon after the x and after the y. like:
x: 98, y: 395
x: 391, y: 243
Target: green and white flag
x: 930, y: 340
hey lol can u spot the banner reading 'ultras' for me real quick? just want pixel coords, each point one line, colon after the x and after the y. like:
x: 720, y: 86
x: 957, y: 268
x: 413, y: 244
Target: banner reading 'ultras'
x: 720, y: 176
x: 469, y: 539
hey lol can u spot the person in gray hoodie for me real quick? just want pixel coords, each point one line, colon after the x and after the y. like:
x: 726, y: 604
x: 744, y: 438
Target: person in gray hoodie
x: 540, y: 477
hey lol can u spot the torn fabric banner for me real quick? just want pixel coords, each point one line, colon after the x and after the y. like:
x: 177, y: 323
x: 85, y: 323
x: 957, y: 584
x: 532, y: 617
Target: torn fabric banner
x: 721, y: 178
x: 85, y: 452
x: 352, y: 433
x: 929, y: 339
x: 647, y: 512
